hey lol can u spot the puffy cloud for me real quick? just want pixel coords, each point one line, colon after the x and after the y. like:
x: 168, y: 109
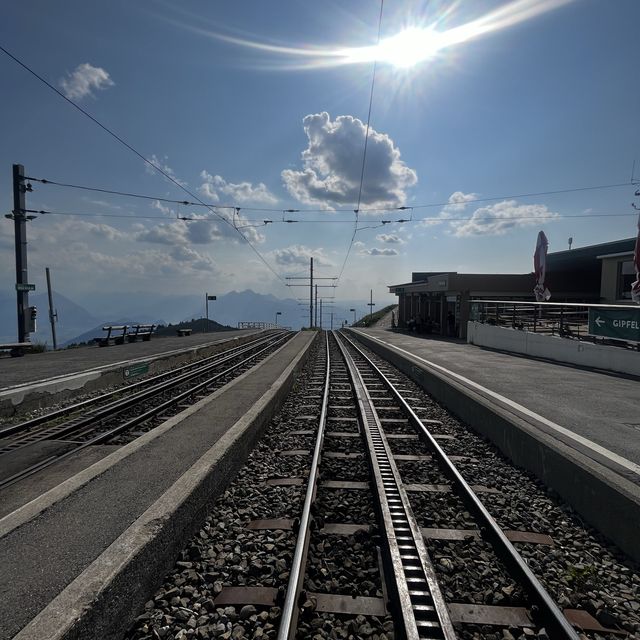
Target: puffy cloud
x: 458, y: 202
x: 298, y: 254
x: 103, y: 231
x: 499, y: 218
x: 161, y: 163
x: 181, y: 232
x: 332, y: 166
x: 379, y: 252
x: 241, y: 193
x: 389, y: 238
x: 83, y: 80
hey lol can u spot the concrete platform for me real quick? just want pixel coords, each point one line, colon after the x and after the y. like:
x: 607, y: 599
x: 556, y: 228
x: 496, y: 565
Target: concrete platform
x: 41, y: 379
x: 578, y: 430
x: 84, y: 556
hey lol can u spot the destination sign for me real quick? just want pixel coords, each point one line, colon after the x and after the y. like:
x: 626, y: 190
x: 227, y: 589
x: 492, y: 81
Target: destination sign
x: 621, y: 324
x: 23, y: 286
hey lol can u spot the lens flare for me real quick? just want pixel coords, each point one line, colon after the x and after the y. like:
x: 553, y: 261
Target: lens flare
x: 406, y: 49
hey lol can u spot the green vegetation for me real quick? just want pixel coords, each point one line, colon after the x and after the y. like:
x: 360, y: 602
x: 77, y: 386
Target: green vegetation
x: 197, y: 326
x: 581, y: 577
x: 367, y: 321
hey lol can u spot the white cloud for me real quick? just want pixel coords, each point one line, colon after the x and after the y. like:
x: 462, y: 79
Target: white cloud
x: 378, y: 252
x: 181, y: 232
x: 332, y: 165
x: 83, y: 80
x: 296, y: 255
x: 501, y: 217
x: 389, y: 238
x: 458, y: 202
x: 238, y: 193
x: 162, y: 164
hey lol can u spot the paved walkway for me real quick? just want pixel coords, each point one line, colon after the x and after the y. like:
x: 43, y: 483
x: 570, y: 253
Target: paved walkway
x: 40, y: 366
x: 602, y: 407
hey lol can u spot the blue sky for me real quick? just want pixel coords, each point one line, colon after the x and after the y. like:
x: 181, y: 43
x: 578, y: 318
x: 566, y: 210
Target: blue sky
x: 249, y: 105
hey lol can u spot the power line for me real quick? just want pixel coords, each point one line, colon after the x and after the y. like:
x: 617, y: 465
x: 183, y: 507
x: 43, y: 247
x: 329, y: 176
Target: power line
x: 46, y: 181
x: 136, y: 216
x: 141, y: 156
x: 364, y: 151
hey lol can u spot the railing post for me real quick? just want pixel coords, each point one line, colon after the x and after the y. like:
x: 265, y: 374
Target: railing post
x: 561, y: 322
x: 513, y: 317
x: 535, y: 318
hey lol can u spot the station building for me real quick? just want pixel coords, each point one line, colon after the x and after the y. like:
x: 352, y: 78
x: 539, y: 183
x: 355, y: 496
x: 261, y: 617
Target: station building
x: 440, y: 302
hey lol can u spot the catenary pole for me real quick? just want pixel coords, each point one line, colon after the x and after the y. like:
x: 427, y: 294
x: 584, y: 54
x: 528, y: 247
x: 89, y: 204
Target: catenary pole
x: 310, y: 293
x: 53, y: 315
x: 20, y: 227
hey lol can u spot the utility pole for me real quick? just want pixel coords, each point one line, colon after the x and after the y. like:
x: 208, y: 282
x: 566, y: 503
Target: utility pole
x: 371, y: 305
x: 53, y: 315
x: 310, y: 292
x: 312, y: 288
x: 19, y: 216
x: 332, y: 321
x: 320, y: 310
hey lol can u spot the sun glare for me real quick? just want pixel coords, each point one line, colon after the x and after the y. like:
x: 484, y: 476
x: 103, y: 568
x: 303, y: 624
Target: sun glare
x: 409, y: 47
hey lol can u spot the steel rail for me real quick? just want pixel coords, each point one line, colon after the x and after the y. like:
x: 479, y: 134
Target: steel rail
x: 290, y: 608
x: 122, y: 404
x: 545, y: 611
x: 58, y: 413
x: 417, y: 592
x: 107, y: 435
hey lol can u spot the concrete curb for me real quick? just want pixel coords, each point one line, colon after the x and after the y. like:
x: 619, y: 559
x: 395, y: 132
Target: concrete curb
x: 44, y: 393
x: 100, y: 603
x: 604, y: 498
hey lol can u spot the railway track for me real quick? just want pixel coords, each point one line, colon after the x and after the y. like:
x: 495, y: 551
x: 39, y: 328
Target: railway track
x: 123, y: 414
x: 338, y: 525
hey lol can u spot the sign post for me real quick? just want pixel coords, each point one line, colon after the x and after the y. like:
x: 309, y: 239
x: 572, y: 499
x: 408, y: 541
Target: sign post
x: 621, y: 324
x: 207, y: 297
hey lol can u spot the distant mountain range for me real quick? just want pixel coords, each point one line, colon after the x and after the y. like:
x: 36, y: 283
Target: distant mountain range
x: 77, y: 324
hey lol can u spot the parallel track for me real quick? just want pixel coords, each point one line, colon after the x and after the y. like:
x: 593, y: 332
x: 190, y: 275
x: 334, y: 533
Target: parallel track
x: 129, y: 412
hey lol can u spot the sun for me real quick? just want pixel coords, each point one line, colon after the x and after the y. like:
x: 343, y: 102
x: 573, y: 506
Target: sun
x: 409, y: 47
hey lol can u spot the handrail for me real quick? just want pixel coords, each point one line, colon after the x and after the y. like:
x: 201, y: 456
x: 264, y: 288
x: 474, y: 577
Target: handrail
x: 558, y: 304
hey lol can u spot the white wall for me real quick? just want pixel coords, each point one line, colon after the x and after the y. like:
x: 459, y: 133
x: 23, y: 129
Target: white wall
x: 554, y: 348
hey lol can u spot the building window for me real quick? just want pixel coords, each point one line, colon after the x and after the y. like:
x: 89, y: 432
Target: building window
x: 626, y: 275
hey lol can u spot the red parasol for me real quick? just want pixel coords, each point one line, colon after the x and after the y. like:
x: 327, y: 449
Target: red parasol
x: 635, y: 286
x: 540, y: 266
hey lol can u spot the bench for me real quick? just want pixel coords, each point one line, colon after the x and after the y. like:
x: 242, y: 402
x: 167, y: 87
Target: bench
x: 184, y: 332
x: 141, y: 332
x: 16, y: 349
x: 105, y: 341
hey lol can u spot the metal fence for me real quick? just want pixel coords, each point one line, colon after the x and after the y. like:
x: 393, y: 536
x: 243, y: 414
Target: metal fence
x: 610, y: 324
x: 261, y: 325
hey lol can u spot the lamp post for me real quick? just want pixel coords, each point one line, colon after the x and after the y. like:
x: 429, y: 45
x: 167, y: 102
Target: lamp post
x: 278, y: 313
x: 207, y: 297
x: 354, y: 317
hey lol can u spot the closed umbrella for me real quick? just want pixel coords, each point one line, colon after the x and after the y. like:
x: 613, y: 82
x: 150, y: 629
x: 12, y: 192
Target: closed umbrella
x: 540, y: 266
x: 635, y: 286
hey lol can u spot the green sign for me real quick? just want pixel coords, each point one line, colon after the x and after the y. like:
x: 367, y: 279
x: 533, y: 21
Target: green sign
x: 25, y: 287
x: 136, y: 370
x: 622, y: 324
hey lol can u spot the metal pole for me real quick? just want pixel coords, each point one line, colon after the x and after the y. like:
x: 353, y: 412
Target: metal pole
x: 315, y: 324
x: 52, y: 314
x: 310, y: 293
x: 206, y: 306
x: 320, y: 313
x: 332, y: 321
x: 20, y: 227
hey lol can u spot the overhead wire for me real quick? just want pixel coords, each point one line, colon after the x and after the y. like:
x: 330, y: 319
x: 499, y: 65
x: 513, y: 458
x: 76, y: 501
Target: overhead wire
x: 384, y: 223
x: 154, y: 166
x: 364, y: 151
x: 207, y: 205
